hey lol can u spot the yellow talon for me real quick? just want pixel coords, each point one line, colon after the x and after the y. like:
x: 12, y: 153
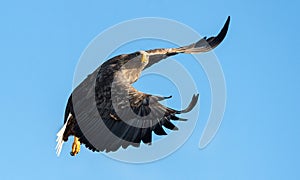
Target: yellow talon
x: 75, y: 146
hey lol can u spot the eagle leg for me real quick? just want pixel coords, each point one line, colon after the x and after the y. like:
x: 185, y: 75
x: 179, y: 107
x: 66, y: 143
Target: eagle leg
x: 75, y: 146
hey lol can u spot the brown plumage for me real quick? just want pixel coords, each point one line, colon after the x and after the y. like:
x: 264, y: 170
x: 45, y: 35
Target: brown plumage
x: 106, y: 112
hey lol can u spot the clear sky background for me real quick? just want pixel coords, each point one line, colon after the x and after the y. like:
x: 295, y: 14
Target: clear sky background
x: 41, y: 42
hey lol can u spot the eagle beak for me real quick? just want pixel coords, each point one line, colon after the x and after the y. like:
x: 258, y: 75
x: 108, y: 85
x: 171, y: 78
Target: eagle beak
x: 144, y: 60
x: 144, y: 57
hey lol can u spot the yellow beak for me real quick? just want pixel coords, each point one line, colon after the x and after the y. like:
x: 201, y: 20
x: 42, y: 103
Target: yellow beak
x: 144, y: 58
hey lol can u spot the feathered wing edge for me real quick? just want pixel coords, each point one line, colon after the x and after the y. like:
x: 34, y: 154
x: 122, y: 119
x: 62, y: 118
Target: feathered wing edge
x: 203, y: 45
x: 191, y: 105
x: 60, y: 135
x: 131, y: 135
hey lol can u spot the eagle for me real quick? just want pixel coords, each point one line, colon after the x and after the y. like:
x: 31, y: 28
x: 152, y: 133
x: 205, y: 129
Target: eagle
x: 105, y: 112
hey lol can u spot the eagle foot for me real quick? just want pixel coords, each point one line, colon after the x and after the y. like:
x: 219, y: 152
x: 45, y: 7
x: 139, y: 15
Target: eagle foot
x: 75, y: 146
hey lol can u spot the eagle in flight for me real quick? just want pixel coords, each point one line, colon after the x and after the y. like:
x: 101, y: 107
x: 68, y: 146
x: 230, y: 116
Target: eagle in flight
x: 105, y: 112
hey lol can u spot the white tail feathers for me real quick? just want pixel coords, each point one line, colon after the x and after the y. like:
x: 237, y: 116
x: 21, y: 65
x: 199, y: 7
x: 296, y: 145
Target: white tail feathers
x: 60, y: 135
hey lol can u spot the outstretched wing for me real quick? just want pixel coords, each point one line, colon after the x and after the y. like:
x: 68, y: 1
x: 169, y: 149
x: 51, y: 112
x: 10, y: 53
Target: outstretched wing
x: 203, y: 45
x: 131, y: 116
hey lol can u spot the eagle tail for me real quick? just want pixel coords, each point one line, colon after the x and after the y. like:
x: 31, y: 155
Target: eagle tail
x: 60, y: 135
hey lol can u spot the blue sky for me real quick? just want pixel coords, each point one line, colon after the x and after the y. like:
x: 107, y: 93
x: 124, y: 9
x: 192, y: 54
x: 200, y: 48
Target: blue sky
x: 259, y: 136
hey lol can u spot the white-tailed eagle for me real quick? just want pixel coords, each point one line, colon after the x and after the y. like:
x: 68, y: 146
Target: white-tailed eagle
x: 105, y: 112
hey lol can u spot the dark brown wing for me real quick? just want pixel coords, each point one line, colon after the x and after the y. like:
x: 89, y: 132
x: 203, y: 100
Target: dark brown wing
x: 134, y: 115
x: 203, y: 45
x: 129, y: 116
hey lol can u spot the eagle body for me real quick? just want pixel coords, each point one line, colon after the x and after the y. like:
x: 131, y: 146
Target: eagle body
x: 105, y: 112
